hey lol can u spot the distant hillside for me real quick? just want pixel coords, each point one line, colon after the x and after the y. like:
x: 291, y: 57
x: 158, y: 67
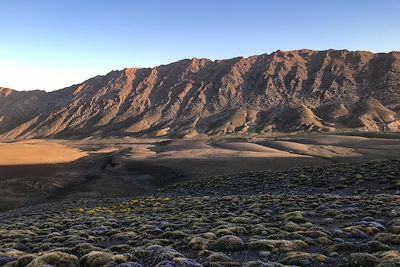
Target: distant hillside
x: 301, y: 90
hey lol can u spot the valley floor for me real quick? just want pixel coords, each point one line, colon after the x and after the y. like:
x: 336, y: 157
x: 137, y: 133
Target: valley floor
x: 39, y: 171
x: 331, y: 201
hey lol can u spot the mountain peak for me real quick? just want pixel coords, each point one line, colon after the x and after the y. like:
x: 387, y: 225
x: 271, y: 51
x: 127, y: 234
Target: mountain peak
x: 300, y: 90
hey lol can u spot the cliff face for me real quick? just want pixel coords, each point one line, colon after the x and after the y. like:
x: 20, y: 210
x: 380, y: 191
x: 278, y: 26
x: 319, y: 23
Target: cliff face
x: 283, y: 91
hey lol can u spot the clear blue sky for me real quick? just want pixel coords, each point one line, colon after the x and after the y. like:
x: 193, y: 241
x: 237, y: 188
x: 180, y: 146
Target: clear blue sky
x: 61, y: 42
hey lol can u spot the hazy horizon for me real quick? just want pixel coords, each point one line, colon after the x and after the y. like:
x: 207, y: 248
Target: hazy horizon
x: 51, y: 45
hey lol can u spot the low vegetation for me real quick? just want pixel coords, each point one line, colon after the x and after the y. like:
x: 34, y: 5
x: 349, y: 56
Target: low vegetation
x: 298, y: 217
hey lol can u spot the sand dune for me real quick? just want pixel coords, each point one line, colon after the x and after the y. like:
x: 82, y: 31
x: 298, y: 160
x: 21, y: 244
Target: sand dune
x: 35, y: 171
x: 326, y: 139
x: 243, y: 146
x: 200, y: 149
x: 34, y: 152
x: 327, y: 151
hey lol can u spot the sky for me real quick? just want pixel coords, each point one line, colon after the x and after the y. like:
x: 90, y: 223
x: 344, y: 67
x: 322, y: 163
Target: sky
x: 51, y: 44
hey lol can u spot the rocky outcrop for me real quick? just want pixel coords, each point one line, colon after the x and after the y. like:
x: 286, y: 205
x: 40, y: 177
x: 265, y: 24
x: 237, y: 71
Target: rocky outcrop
x: 301, y: 90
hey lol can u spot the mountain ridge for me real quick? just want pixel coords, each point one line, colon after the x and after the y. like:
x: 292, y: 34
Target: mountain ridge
x: 300, y: 90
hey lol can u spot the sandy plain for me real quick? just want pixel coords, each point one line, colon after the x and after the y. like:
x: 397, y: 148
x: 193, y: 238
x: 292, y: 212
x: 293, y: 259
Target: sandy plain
x: 39, y: 171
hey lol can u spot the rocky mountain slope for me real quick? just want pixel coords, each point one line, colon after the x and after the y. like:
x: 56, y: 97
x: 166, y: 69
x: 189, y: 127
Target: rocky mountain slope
x: 283, y: 91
